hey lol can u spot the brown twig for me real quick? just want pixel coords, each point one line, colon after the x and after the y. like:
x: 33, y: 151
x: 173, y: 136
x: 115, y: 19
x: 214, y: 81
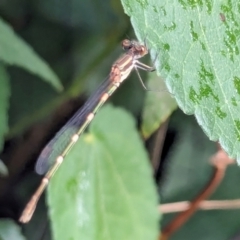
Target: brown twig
x: 220, y: 161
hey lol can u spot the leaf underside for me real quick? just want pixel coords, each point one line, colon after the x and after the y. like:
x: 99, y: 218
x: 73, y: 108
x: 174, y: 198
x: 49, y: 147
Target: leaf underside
x: 198, y: 42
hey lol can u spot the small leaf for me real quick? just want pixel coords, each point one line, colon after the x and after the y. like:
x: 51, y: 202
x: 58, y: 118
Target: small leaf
x: 158, y: 106
x: 9, y: 230
x: 104, y: 189
x: 3, y: 169
x: 14, y: 51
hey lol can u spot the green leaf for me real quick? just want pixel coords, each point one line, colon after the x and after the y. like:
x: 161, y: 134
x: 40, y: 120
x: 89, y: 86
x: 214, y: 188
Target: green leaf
x: 15, y: 51
x: 104, y: 189
x: 4, y: 103
x: 3, y: 169
x: 158, y: 106
x: 9, y: 230
x: 199, y: 56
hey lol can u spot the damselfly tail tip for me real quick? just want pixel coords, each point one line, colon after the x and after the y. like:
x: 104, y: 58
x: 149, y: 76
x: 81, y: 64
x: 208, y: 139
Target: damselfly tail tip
x: 28, y: 212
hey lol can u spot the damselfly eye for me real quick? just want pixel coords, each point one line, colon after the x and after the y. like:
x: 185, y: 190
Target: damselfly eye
x: 143, y: 50
x: 140, y: 49
x: 126, y: 44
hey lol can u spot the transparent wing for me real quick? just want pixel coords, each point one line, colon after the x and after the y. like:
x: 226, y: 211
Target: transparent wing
x: 63, y: 137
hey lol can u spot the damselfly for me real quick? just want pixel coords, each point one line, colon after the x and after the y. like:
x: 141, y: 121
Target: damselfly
x: 69, y: 134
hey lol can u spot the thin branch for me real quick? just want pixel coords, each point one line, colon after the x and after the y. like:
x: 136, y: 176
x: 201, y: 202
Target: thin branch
x: 204, y: 205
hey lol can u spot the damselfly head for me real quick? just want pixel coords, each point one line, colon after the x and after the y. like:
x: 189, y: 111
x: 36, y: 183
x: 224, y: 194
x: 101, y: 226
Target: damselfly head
x: 138, y: 49
x: 126, y: 44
